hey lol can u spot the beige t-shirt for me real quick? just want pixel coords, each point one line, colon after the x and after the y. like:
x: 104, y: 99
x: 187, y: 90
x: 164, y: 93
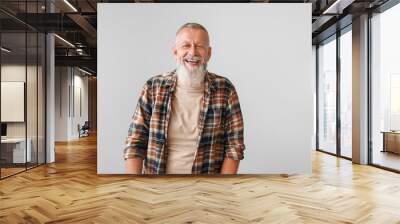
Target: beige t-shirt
x: 183, y: 128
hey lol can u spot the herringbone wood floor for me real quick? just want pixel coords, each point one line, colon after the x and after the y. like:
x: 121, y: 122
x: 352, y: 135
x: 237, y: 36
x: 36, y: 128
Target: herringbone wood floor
x: 70, y: 191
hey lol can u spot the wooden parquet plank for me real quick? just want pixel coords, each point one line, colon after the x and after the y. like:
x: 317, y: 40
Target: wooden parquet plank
x: 70, y: 191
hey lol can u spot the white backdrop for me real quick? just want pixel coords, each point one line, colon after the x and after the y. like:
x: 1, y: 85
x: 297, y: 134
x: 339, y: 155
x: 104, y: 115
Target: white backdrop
x: 264, y: 49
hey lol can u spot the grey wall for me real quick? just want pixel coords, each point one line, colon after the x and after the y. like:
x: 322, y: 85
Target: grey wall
x: 68, y: 82
x: 264, y: 49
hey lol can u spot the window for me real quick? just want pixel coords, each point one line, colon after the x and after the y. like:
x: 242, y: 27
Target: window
x: 327, y: 96
x: 385, y: 88
x: 346, y: 93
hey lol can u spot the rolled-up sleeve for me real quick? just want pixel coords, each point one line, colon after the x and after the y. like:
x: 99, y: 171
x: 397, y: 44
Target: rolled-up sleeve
x: 234, y: 143
x: 138, y: 132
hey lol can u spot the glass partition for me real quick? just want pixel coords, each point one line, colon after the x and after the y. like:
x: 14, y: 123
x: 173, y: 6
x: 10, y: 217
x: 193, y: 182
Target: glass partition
x: 41, y: 87
x: 32, y: 95
x: 22, y: 77
x: 14, y: 155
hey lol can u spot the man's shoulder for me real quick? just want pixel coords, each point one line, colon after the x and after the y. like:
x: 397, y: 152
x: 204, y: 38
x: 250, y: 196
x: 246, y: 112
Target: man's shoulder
x: 161, y: 78
x: 220, y: 81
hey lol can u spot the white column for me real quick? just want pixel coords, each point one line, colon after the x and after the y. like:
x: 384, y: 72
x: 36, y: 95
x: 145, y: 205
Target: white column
x: 50, y: 110
x: 50, y: 91
x: 360, y: 90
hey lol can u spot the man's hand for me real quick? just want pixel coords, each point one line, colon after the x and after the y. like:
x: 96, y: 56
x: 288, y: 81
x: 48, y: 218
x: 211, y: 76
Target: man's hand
x: 134, y: 165
x: 230, y: 166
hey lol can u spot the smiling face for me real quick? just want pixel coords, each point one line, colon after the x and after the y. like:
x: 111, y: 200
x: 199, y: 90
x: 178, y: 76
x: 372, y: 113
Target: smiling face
x: 192, y: 48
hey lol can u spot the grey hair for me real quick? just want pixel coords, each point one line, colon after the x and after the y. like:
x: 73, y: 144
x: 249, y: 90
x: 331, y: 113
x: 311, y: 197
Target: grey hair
x: 192, y: 26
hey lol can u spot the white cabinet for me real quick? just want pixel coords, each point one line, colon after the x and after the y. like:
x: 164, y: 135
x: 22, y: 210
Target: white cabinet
x: 18, y: 149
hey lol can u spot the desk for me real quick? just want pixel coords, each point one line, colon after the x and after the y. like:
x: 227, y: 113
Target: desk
x: 391, y: 141
x: 13, y: 150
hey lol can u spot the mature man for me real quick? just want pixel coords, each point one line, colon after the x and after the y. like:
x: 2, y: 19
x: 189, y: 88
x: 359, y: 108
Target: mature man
x: 187, y: 121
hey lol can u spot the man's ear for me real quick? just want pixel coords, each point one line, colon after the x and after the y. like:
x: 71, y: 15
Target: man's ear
x: 209, y: 53
x: 175, y: 52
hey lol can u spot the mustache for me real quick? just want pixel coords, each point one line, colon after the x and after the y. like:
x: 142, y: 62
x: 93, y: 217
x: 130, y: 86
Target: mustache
x: 192, y: 58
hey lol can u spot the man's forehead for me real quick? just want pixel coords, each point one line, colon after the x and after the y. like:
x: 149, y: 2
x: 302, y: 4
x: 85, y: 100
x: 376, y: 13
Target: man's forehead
x: 189, y: 35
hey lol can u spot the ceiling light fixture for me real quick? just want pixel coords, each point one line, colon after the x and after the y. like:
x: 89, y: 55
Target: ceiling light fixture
x: 79, y: 51
x: 5, y: 50
x: 70, y: 5
x: 84, y: 71
x: 64, y: 40
x: 329, y: 9
x: 337, y: 7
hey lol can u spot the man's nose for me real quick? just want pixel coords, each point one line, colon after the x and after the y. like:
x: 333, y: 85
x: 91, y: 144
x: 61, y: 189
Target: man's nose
x: 192, y: 49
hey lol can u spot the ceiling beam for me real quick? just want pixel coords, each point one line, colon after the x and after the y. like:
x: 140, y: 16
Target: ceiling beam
x: 86, y: 26
x: 85, y: 61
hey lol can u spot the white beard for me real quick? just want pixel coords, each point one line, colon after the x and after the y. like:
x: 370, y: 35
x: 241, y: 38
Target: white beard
x: 192, y: 78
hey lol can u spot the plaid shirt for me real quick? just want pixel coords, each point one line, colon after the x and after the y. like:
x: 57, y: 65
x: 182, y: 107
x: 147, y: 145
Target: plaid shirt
x: 220, y: 125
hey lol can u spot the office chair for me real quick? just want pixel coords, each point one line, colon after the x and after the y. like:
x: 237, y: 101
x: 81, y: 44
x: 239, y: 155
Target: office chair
x: 84, y: 130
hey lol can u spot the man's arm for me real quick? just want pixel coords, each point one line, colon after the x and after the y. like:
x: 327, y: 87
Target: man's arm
x: 230, y: 166
x: 134, y: 165
x: 138, y: 134
x: 234, y: 143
